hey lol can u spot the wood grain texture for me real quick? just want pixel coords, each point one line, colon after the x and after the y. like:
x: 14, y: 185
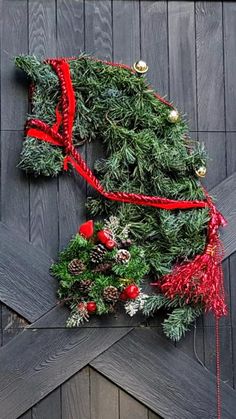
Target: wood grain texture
x: 49, y: 407
x: 160, y: 377
x: 75, y: 396
x: 26, y: 415
x: 43, y: 191
x: 130, y: 408
x: 182, y: 58
x: 25, y: 283
x: 104, y: 397
x: 14, y: 41
x: 14, y: 184
x: 126, y: 31
x: 98, y: 28
x: 229, y: 26
x: 37, y: 362
x: 210, y: 77
x: 154, y: 43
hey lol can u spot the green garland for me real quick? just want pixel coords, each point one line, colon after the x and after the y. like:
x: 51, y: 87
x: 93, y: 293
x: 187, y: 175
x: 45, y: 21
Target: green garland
x: 144, y: 152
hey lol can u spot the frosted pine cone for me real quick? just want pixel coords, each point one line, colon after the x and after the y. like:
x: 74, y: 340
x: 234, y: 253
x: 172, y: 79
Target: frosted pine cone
x: 111, y: 294
x: 123, y: 256
x: 97, y: 254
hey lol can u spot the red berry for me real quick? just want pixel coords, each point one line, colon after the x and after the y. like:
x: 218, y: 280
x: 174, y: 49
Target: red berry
x: 91, y: 307
x: 132, y: 291
x: 87, y: 229
x: 110, y: 244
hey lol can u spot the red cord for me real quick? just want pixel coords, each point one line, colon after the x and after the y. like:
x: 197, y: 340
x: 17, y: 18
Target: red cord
x: 218, y: 393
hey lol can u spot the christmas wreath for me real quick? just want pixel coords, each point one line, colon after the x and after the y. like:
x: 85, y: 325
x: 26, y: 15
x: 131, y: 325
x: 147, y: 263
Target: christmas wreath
x: 158, y: 223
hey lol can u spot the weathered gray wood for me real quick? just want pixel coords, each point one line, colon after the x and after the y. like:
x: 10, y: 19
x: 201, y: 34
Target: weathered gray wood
x: 158, y: 375
x: 126, y: 31
x: 104, y: 397
x: 98, y: 29
x: 27, y: 415
x: 154, y: 43
x: 152, y: 415
x: 11, y: 320
x: 25, y: 283
x: 49, y: 407
x: 14, y: 184
x: 210, y: 78
x: 224, y: 194
x: 36, y: 362
x: 14, y: 42
x: 43, y: 192
x: 229, y: 25
x: 75, y: 396
x: 182, y: 60
x: 131, y: 408
x: 72, y: 189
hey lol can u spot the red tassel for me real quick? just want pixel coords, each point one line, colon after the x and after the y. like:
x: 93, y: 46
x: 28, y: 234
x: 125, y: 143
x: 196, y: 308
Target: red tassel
x: 200, y: 280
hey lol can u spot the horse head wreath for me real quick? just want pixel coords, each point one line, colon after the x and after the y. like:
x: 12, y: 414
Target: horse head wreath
x: 159, y: 222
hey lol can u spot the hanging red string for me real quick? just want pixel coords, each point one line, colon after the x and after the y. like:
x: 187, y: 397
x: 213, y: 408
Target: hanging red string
x: 199, y: 280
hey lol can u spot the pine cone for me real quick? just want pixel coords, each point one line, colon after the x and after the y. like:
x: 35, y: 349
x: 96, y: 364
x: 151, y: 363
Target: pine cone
x: 84, y: 286
x: 76, y: 267
x: 123, y: 256
x: 98, y: 253
x: 103, y: 267
x: 111, y: 294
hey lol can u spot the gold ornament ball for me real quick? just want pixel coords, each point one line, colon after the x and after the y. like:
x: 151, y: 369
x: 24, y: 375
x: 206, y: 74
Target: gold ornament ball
x: 173, y: 116
x: 201, y: 171
x: 140, y: 67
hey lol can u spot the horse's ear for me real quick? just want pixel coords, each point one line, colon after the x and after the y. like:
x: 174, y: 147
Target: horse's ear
x: 39, y: 72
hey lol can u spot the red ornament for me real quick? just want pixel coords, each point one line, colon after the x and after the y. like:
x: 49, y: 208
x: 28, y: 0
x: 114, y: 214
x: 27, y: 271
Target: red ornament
x: 91, y: 307
x: 87, y: 229
x: 123, y: 296
x: 132, y: 291
x: 103, y: 236
x: 110, y: 244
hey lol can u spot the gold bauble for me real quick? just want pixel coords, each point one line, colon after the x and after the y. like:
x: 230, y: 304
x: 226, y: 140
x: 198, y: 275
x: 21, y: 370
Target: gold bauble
x: 201, y: 171
x: 140, y: 67
x: 173, y: 116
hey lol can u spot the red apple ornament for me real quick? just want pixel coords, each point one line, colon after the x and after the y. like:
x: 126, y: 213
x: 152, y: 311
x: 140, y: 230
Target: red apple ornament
x: 87, y: 229
x: 91, y: 307
x: 132, y: 291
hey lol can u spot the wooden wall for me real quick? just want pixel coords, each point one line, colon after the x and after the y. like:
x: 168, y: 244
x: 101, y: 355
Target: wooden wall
x: 191, y: 52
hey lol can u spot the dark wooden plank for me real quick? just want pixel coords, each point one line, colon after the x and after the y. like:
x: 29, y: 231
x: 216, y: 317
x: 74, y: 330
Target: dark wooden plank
x: 210, y: 77
x: 131, y: 408
x: 58, y: 315
x: 152, y: 415
x: 104, y: 395
x: 182, y: 60
x: 14, y: 42
x: 49, y: 407
x: 14, y: 184
x: 43, y: 192
x: 226, y: 353
x: 36, y: 362
x: 229, y: 26
x: 154, y: 43
x: 98, y: 28
x: 72, y: 189
x: 75, y: 396
x: 126, y: 31
x: 215, y: 144
x: 25, y: 283
x: 27, y: 415
x: 158, y: 375
x: 224, y: 194
x: 11, y: 320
